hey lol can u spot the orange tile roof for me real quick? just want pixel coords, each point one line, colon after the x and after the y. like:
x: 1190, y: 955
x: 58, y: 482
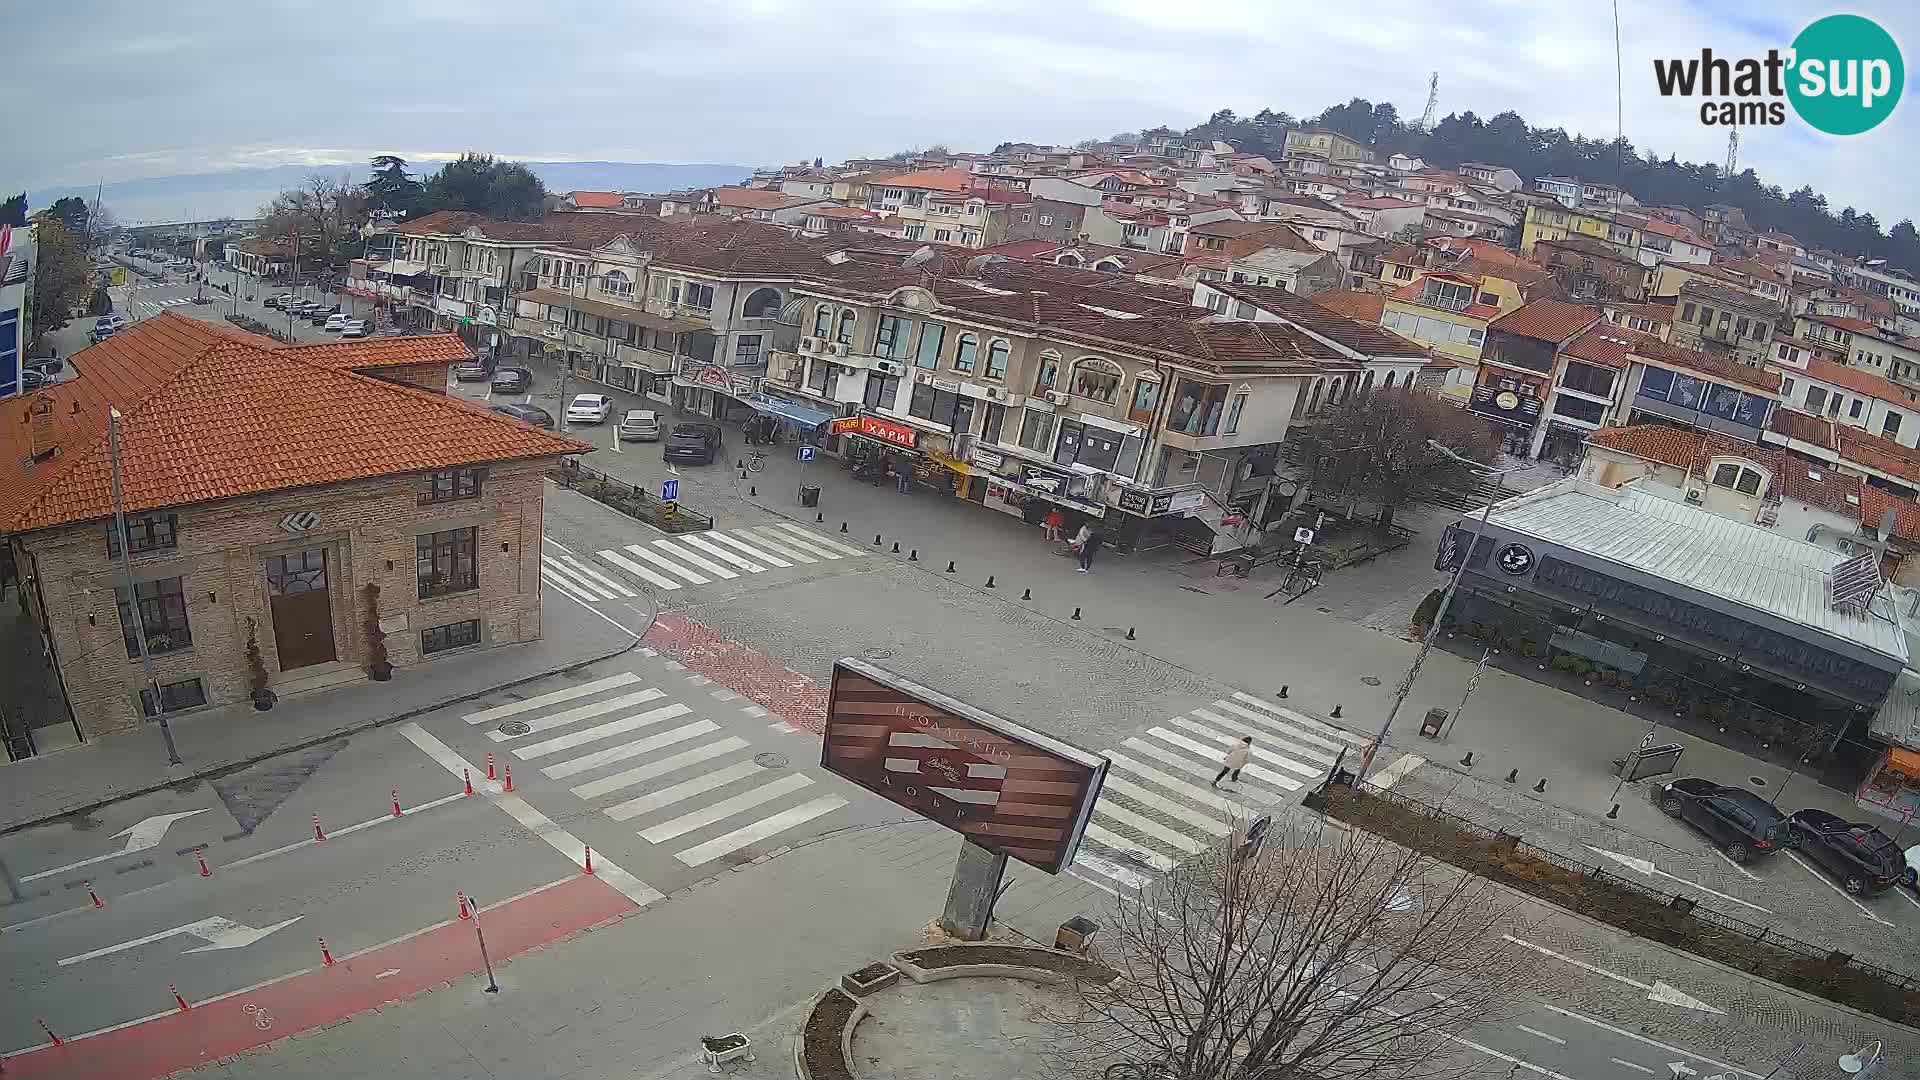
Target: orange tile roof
x: 209, y: 414
x: 1803, y: 427
x: 1663, y: 352
x: 1874, y: 452
x: 1352, y: 303
x: 1655, y: 442
x: 382, y: 352
x: 1605, y: 344
x: 1842, y: 322
x: 597, y: 200
x: 1857, y: 380
x: 1546, y: 320
x: 931, y: 179
x: 755, y: 198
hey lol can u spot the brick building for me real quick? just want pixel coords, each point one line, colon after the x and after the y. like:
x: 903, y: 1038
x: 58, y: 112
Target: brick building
x: 268, y: 490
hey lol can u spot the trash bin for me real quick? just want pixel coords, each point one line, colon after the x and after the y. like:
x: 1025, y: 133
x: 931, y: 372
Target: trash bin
x: 809, y: 495
x: 1076, y: 934
x: 1434, y: 721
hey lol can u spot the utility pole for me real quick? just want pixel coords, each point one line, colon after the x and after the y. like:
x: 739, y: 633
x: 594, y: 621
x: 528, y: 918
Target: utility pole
x: 126, y: 582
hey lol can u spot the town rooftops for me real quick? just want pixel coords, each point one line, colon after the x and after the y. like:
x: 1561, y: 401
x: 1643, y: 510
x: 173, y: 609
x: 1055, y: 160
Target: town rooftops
x: 209, y: 413
x: 1365, y: 337
x: 1728, y: 296
x: 1546, y: 320
x: 596, y: 200
x: 1843, y: 322
x: 926, y: 179
x: 740, y: 198
x: 1858, y: 380
x: 1352, y: 303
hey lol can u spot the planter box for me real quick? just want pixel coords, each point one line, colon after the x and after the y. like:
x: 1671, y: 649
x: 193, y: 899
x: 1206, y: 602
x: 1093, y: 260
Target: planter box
x: 875, y: 976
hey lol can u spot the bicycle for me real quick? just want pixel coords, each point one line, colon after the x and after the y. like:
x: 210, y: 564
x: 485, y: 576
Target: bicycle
x: 756, y: 460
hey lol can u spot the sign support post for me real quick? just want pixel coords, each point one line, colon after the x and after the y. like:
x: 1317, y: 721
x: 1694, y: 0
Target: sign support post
x: 976, y: 885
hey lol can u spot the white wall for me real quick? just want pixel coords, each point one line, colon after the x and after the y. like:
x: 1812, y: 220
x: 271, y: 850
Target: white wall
x: 1066, y: 191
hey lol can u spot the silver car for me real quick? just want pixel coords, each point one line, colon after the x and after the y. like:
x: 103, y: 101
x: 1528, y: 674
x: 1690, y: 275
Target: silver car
x: 640, y: 425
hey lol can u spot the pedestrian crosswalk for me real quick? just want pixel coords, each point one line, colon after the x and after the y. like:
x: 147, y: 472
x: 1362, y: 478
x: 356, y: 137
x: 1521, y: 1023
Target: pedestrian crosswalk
x: 1158, y: 805
x: 677, y: 777
x: 689, y: 559
x: 150, y: 308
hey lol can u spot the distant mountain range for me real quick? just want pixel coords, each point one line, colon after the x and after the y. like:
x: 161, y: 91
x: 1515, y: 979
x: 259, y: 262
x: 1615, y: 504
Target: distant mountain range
x: 241, y: 192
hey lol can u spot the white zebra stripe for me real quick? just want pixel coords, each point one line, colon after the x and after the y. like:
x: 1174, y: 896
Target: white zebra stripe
x: 703, y: 563
x: 671, y: 763
x: 1217, y: 755
x: 1184, y: 764
x: 571, y: 591
x: 1111, y: 810
x: 602, y: 731
x: 1258, y: 735
x: 1203, y: 796
x: 1284, y: 762
x: 1113, y: 841
x: 719, y: 552
x: 668, y: 565
x: 637, y: 570
x: 588, y: 762
x: 1301, y: 718
x: 1154, y: 801
x: 583, y: 712
x: 1291, y: 731
x: 723, y: 538
x: 686, y: 789
x: 579, y: 583
x: 789, y: 818
x: 501, y: 712
x: 818, y: 540
x: 790, y: 551
x: 726, y: 808
x: 768, y: 531
x: 594, y: 575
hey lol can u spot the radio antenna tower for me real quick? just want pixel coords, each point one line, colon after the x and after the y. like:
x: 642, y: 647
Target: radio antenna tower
x: 1733, y: 151
x: 1433, y: 102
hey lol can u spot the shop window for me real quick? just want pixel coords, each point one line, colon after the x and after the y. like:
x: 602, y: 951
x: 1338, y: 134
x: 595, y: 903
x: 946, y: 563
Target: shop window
x: 446, y: 562
x: 882, y: 390
x: 1036, y: 431
x: 964, y: 352
x: 163, y: 617
x: 1146, y: 398
x: 1048, y: 373
x: 147, y: 532
x: 934, y: 405
x: 173, y: 697
x: 451, y: 636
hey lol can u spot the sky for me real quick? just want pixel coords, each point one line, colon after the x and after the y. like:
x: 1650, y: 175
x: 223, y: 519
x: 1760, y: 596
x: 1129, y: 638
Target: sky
x: 115, y: 91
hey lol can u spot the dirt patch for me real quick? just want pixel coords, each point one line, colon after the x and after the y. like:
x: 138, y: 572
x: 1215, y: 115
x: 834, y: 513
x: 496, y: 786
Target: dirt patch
x: 1637, y: 910
x: 942, y: 956
x: 820, y: 1037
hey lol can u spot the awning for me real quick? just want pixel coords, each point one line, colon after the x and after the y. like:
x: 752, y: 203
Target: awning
x: 400, y: 268
x: 790, y: 410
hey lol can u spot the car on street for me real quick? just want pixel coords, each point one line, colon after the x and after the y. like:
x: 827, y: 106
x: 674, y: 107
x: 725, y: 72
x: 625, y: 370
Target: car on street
x: 473, y: 371
x: 31, y: 379
x: 1862, y: 858
x: 318, y: 314
x: 335, y: 323
x: 48, y: 366
x: 1910, y: 877
x: 1741, y: 822
x: 511, y: 380
x: 106, y: 326
x: 640, y: 425
x: 280, y: 301
x: 527, y: 414
x: 693, y: 442
x: 355, y: 328
x: 590, y: 409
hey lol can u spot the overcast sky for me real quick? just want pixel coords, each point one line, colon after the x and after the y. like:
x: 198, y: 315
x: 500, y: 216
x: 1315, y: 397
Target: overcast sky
x: 119, y: 91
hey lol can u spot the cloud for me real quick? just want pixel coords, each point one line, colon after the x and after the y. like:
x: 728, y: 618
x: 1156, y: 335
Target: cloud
x: 197, y: 85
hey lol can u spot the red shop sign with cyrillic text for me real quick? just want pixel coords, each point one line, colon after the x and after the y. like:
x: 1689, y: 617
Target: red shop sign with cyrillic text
x: 887, y: 431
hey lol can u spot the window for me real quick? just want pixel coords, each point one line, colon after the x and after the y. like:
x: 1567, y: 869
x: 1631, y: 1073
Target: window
x: 915, y: 232
x: 1146, y: 399
x: 890, y: 336
x: 163, y: 616
x: 1048, y: 374
x: 1096, y: 379
x: 617, y: 283
x: 663, y: 341
x: 1853, y: 411
x: 1046, y: 219
x: 1026, y: 217
x: 1785, y: 352
x: 1891, y: 425
x: 942, y: 236
x: 452, y: 485
x: 996, y: 419
x: 1786, y: 389
x: 1036, y: 431
x: 1402, y: 273
x: 746, y: 350
x: 174, y: 696
x: 762, y: 304
x: 446, y: 562
x: 1587, y: 379
x: 1728, y: 474
x: 997, y: 360
x: 817, y: 377
x: 822, y: 321
x: 933, y: 335
x: 1578, y: 409
x: 845, y: 336
x: 1319, y: 234
x: 148, y: 532
x: 882, y: 390
x: 935, y: 405
x: 964, y: 352
x: 1447, y: 294
x: 1489, y: 299
x: 1762, y: 330
x: 698, y: 296
x: 1238, y: 406
x: 451, y: 636
x: 1816, y: 399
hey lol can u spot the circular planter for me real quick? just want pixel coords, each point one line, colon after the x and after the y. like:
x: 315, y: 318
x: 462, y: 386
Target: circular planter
x: 380, y: 673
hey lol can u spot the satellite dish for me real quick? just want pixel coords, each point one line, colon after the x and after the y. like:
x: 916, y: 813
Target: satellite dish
x: 980, y: 262
x: 921, y: 257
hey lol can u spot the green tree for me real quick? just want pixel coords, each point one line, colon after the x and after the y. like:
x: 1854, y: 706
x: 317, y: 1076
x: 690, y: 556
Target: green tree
x: 14, y: 210
x: 479, y: 184
x: 101, y: 303
x: 59, y: 276
x: 392, y: 190
x: 72, y: 212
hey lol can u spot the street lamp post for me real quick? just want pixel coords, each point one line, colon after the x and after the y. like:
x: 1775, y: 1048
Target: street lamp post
x: 1439, y: 616
x: 133, y: 595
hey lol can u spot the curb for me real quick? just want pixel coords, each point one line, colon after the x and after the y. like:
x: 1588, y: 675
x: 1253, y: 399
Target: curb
x: 308, y: 743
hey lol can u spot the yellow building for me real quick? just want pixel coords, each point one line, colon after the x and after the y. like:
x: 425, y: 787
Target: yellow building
x: 1558, y: 223
x: 1322, y: 143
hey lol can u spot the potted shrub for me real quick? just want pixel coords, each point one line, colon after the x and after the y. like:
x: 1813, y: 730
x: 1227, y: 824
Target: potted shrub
x: 263, y: 695
x: 378, y: 667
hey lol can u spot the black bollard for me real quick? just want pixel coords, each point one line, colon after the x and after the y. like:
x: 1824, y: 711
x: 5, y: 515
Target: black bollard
x: 1026, y: 594
x: 896, y: 547
x: 913, y: 554
x: 843, y: 526
x: 876, y: 539
x: 990, y: 581
x: 949, y: 566
x: 1541, y: 786
x: 1336, y: 711
x: 1467, y: 762
x: 753, y: 492
x: 1076, y: 613
x: 1283, y: 692
x: 820, y: 517
x: 1614, y: 814
x: 741, y: 464
x: 1513, y: 775
x: 1130, y: 633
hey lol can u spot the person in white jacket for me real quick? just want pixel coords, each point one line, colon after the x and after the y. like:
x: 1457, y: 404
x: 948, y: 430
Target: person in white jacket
x: 1236, y: 760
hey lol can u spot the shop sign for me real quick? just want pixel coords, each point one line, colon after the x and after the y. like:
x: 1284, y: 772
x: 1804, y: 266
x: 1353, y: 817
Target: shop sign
x: 486, y: 316
x: 1182, y: 501
x: 1134, y: 502
x: 949, y: 385
x: 887, y: 431
x: 1515, y: 559
x: 843, y: 425
x: 988, y: 459
x: 715, y: 377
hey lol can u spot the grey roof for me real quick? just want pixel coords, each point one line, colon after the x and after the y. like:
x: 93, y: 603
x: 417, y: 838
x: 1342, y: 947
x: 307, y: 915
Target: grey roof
x: 1778, y: 577
x: 1898, y: 720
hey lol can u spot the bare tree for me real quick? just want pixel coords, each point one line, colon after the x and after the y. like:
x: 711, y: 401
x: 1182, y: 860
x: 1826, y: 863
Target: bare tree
x: 1373, y: 447
x: 1332, y: 954
x: 326, y: 212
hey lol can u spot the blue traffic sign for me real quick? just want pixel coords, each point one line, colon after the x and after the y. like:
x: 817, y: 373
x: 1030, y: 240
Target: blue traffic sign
x: 669, y: 490
x: 806, y: 453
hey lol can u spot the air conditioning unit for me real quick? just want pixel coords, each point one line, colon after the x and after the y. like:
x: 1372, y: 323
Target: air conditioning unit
x: 839, y: 348
x: 1056, y: 397
x: 1694, y: 495
x: 809, y: 344
x: 889, y: 367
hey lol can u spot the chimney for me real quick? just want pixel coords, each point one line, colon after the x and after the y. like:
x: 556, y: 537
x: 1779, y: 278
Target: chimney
x: 40, y: 425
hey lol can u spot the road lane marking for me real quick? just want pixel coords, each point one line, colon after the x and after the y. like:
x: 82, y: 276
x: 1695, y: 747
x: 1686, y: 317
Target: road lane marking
x: 1114, y: 841
x: 699, y: 785
x: 1301, y: 718
x: 719, y: 552
x: 1656, y: 990
x: 1218, y: 756
x: 666, y: 564
x: 1645, y: 866
x: 601, y: 731
x: 726, y: 808
x: 1396, y: 772
x: 543, y: 826
x: 594, y: 575
x: 1239, y: 728
x: 1850, y: 898
x: 1725, y: 858
x: 1538, y: 1034
x: 1290, y: 731
x: 343, y: 831
x: 142, y: 835
x: 588, y: 762
x: 501, y: 712
x: 582, y: 712
x: 790, y: 550
x: 1258, y: 751
x: 817, y: 540
x: 1631, y: 1065
x: 1155, y: 801
x: 637, y: 570
x: 792, y: 817
x: 747, y: 549
x: 696, y: 559
x: 1668, y: 1047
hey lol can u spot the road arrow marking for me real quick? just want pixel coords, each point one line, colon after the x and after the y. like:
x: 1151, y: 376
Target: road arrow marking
x: 1680, y: 1069
x: 1645, y: 866
x: 1656, y: 991
x: 140, y: 837
x: 218, y: 932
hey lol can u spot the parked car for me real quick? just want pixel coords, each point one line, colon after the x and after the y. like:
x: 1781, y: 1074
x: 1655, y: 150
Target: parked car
x: 106, y: 326
x: 1911, y: 876
x: 1861, y: 857
x: 335, y: 323
x: 693, y: 442
x: 279, y: 301
x: 527, y: 414
x: 640, y: 425
x: 355, y: 328
x: 511, y: 380
x: 590, y: 409
x: 1741, y: 822
x: 474, y: 371
x: 46, y: 365
x: 32, y: 379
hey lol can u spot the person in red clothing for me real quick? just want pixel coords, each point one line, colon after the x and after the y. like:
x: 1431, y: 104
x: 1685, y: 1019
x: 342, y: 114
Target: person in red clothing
x: 1055, y: 522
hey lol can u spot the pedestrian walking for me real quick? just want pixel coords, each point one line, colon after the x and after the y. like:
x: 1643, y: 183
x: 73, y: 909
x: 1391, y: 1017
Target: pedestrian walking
x: 1090, y: 540
x: 1236, y: 760
x: 1055, y: 520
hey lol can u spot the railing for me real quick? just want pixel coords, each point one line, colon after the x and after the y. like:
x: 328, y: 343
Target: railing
x: 671, y: 517
x: 445, y: 585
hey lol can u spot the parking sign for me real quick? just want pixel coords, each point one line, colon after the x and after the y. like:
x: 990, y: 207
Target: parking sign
x: 806, y: 453
x: 669, y: 490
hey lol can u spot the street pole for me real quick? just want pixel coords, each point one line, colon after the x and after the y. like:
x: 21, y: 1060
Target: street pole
x: 126, y: 582
x: 485, y: 960
x: 1439, y: 616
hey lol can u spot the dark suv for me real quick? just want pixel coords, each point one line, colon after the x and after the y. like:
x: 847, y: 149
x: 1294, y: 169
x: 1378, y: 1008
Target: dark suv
x: 1860, y: 856
x: 1742, y: 823
x: 693, y: 442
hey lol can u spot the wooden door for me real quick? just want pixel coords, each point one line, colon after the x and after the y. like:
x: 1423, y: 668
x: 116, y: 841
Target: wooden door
x: 301, y: 607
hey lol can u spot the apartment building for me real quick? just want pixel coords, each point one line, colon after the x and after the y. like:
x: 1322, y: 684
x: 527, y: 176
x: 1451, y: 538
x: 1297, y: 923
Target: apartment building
x: 17, y: 256
x: 1726, y: 322
x: 1325, y: 145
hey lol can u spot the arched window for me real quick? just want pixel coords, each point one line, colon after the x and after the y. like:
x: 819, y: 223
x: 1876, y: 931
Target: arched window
x: 845, y: 336
x: 823, y: 320
x: 1313, y: 402
x: 1096, y: 379
x: 1366, y: 383
x: 1333, y: 395
x: 997, y: 359
x: 617, y: 283
x: 965, y: 353
x: 762, y: 304
x: 1110, y: 263
x: 1388, y: 385
x: 1066, y: 258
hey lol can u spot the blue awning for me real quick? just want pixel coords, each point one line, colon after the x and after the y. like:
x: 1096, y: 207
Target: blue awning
x: 790, y: 410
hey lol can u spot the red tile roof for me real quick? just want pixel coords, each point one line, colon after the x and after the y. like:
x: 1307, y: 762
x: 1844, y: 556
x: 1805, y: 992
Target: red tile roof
x: 1352, y: 303
x: 1858, y: 380
x: 382, y: 352
x: 1361, y: 335
x: 1842, y: 322
x: 596, y: 200
x: 739, y: 198
x: 929, y: 179
x: 1655, y: 442
x: 1546, y: 320
x: 1803, y: 427
x: 1874, y: 452
x: 209, y: 414
x: 1605, y: 344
